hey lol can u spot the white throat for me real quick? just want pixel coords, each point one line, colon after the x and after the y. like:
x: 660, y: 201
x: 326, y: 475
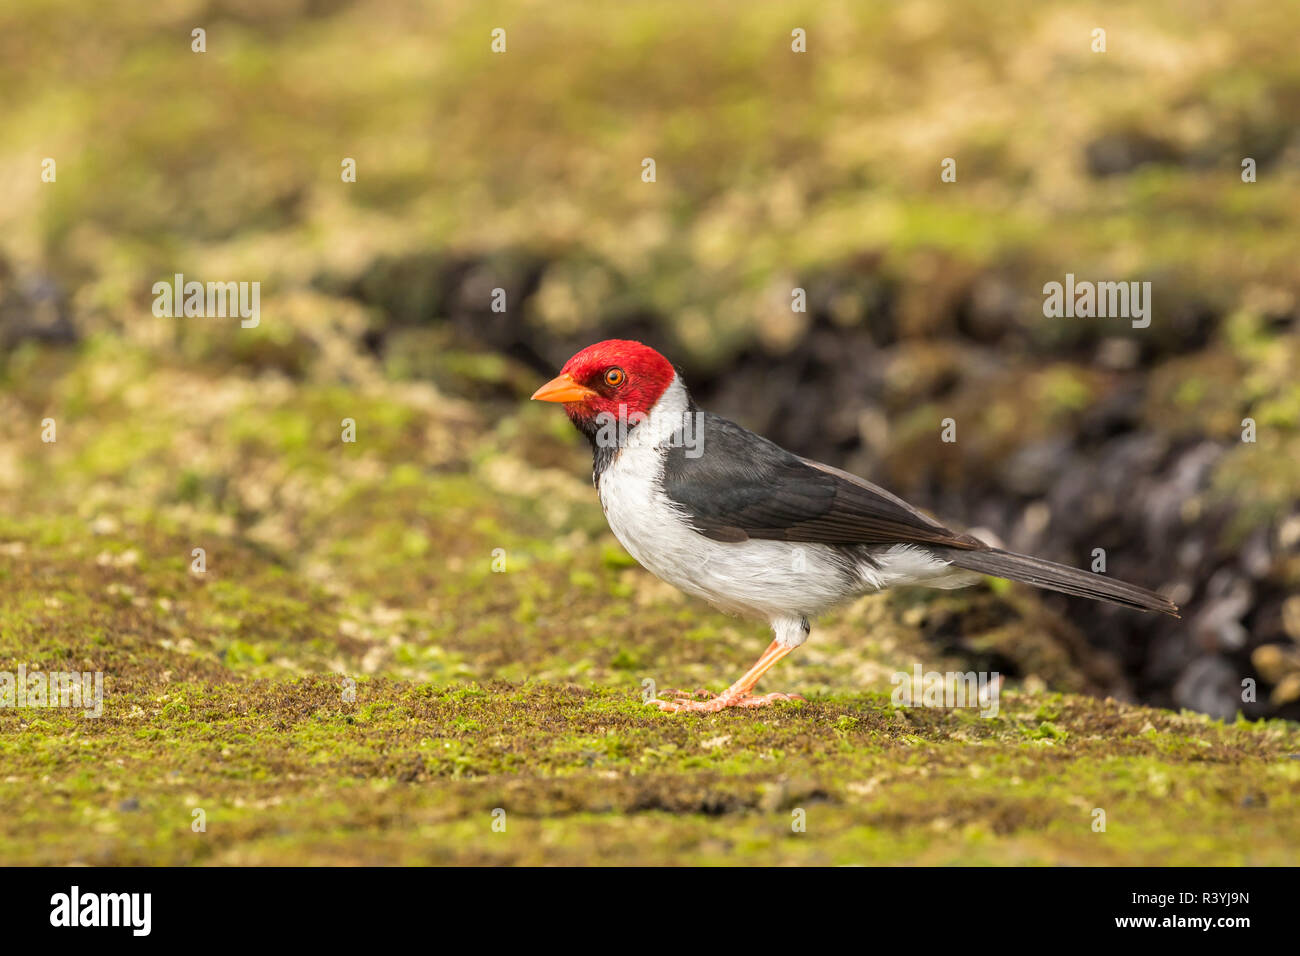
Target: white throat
x: 665, y: 417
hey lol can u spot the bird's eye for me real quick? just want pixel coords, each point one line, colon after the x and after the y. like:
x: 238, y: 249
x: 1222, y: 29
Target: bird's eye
x: 615, y: 377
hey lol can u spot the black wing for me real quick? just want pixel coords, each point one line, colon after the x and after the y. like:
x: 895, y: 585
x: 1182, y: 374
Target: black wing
x: 743, y: 486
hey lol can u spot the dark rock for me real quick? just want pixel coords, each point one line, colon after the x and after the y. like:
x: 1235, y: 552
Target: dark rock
x: 1210, y: 685
x: 32, y: 308
x: 1124, y: 151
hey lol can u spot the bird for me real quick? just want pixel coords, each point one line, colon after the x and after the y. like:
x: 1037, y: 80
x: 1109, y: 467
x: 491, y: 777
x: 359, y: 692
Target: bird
x: 728, y: 516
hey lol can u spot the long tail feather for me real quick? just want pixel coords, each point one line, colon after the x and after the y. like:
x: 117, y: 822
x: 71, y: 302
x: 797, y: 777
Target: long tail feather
x: 1059, y: 577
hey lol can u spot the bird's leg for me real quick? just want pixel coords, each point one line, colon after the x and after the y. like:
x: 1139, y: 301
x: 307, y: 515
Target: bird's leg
x: 739, y: 693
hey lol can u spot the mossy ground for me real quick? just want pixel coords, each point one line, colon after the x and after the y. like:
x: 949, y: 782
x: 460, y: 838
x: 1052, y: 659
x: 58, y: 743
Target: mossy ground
x: 288, y: 773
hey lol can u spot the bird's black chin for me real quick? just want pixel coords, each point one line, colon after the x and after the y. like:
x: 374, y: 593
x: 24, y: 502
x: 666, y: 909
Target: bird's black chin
x: 584, y: 419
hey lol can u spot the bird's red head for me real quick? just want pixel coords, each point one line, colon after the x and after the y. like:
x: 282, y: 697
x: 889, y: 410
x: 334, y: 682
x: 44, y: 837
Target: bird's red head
x: 605, y: 376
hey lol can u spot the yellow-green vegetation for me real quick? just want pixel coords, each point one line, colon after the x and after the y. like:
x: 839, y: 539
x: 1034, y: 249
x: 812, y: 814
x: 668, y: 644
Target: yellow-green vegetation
x: 383, y: 641
x: 284, y: 772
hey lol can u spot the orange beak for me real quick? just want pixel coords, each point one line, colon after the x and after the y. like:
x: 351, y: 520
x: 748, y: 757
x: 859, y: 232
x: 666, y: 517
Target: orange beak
x: 562, y: 389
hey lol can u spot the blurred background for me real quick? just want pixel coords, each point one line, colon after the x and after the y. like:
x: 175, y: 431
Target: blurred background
x: 522, y: 170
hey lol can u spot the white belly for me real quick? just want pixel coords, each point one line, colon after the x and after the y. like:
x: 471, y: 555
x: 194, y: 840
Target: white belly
x: 768, y: 579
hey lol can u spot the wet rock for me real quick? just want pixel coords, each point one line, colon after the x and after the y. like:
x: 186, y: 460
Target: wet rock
x: 1256, y: 558
x: 1291, y: 617
x: 1035, y: 467
x: 1163, y: 502
x: 1288, y: 534
x: 32, y: 308
x: 1115, y: 153
x: 1118, y: 354
x: 1218, y: 625
x: 1210, y: 685
x: 992, y: 311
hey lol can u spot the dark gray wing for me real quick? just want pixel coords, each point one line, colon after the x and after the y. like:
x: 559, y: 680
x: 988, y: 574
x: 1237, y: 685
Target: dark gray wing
x: 743, y: 486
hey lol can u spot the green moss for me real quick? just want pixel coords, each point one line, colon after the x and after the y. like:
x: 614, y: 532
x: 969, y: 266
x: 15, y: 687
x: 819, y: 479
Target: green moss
x: 290, y: 772
x: 355, y: 677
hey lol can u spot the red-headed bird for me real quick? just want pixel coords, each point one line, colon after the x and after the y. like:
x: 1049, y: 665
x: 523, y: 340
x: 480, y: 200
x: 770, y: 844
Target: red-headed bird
x: 728, y: 516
